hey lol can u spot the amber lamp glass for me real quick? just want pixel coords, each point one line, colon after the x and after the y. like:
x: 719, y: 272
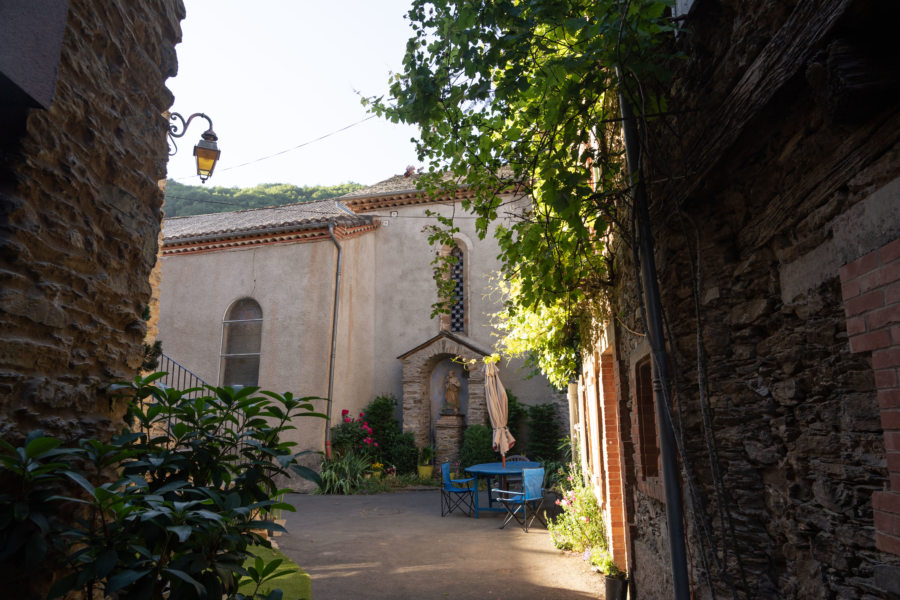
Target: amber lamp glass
x: 207, y: 153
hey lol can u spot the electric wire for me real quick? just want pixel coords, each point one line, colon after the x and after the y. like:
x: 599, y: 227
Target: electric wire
x: 285, y: 151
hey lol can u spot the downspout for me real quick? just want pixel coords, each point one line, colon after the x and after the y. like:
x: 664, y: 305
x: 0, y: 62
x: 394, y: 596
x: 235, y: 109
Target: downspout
x: 653, y: 307
x: 334, y: 324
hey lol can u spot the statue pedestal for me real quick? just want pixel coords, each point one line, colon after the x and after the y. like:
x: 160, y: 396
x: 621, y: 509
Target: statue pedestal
x: 448, y: 434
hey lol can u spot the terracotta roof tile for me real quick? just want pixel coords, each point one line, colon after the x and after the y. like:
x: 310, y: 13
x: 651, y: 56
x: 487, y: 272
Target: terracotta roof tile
x: 301, y: 215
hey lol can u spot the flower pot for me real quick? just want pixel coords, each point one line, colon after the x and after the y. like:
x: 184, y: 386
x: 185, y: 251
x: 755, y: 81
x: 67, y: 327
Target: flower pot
x: 616, y: 588
x: 425, y: 471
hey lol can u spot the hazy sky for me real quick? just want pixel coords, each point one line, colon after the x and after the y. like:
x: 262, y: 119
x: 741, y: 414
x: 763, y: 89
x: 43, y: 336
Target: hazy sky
x: 274, y: 74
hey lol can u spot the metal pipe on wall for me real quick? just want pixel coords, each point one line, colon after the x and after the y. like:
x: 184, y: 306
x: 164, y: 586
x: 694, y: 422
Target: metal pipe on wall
x: 334, y: 324
x: 653, y: 307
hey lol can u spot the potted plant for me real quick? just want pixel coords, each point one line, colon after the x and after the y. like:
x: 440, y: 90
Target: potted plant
x: 616, y: 579
x: 426, y: 455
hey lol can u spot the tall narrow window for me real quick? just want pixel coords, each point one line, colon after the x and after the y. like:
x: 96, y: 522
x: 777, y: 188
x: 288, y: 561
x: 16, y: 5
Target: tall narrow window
x: 458, y: 309
x: 647, y: 432
x: 241, y: 342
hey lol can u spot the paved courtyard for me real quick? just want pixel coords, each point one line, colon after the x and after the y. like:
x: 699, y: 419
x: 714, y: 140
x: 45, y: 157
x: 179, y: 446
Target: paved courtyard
x: 396, y: 546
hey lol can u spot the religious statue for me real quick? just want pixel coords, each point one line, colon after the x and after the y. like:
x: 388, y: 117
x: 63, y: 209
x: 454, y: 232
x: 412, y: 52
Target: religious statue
x: 451, y: 392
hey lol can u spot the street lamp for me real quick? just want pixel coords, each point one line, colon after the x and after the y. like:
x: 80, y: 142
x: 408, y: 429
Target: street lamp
x: 206, y: 150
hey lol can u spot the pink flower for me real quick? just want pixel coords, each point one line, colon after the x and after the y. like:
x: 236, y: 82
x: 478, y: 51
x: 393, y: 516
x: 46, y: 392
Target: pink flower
x: 586, y: 518
x: 346, y: 419
x: 376, y: 444
x: 361, y: 415
x: 345, y: 412
x: 557, y: 503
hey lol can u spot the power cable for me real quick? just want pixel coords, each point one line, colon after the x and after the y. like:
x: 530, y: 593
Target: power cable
x: 297, y: 147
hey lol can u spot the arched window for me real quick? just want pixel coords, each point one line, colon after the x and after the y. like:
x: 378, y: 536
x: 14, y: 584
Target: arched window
x: 458, y: 308
x: 241, y: 341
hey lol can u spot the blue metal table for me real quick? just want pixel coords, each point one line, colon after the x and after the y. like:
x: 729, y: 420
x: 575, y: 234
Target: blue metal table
x: 490, y: 470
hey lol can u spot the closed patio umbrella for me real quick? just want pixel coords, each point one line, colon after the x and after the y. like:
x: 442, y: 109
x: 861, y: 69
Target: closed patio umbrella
x: 498, y: 410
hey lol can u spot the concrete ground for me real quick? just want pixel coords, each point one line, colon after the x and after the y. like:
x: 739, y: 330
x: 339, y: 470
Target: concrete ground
x: 397, y: 546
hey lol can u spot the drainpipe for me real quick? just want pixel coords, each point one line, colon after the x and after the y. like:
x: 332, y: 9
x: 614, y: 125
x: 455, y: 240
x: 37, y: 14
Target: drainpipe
x: 334, y: 324
x: 653, y: 307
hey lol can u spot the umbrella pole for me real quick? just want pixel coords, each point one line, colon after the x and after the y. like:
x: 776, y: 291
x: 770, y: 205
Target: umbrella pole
x: 503, y: 457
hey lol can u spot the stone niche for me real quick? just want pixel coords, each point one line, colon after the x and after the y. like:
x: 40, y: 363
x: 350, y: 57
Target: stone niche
x: 425, y: 411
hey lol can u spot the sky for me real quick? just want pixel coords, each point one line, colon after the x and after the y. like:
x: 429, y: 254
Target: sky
x: 275, y: 74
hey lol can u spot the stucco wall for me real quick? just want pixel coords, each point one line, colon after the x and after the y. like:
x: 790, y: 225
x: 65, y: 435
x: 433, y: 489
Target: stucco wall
x: 294, y: 285
x: 79, y: 218
x: 405, y: 289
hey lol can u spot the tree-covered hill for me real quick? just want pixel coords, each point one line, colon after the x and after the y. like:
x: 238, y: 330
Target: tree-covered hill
x: 183, y: 200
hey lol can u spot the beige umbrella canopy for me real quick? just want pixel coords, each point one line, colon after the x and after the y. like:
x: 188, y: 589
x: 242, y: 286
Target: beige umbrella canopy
x: 498, y: 410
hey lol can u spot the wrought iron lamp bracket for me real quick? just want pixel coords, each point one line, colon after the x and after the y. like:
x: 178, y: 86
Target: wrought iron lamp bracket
x: 177, y: 131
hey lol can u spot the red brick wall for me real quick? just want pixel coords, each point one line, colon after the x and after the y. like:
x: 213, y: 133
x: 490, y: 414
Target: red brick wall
x: 871, y: 292
x: 615, y: 499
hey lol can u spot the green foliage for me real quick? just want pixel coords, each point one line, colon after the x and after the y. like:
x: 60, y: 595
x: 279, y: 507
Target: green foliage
x: 556, y: 469
x: 31, y: 477
x: 426, y: 455
x: 580, y: 525
x: 477, y: 446
x: 515, y: 420
x: 344, y: 474
x: 380, y: 415
x: 543, y: 441
x: 263, y: 567
x: 548, y: 335
x: 170, y: 507
x: 404, y: 454
x: 183, y: 200
x: 527, y: 92
x: 603, y: 562
x: 354, y: 436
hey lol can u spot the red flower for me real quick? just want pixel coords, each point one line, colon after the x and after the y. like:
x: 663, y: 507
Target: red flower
x: 345, y: 412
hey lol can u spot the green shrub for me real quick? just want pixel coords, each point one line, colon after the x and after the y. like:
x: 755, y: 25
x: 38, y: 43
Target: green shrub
x: 516, y: 418
x: 385, y: 428
x: 580, y: 525
x: 354, y: 436
x: 344, y: 474
x: 174, y: 503
x: 543, y: 423
x: 477, y: 446
x: 403, y: 453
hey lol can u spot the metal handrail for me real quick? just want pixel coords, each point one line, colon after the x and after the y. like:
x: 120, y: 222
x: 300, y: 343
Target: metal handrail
x: 178, y: 376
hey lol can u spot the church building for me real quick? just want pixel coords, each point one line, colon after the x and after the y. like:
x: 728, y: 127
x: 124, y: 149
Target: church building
x: 333, y: 298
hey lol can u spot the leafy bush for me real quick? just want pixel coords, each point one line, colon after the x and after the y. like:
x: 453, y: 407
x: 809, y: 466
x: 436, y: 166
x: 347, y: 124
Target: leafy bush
x: 171, y: 506
x: 543, y: 442
x: 580, y: 525
x: 403, y: 453
x: 354, y: 436
x: 477, y: 446
x: 426, y: 455
x: 344, y: 474
x: 380, y: 415
x: 515, y: 422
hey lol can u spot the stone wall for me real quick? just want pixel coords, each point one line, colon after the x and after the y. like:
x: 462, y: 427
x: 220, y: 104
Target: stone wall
x: 79, y: 219
x: 759, y: 179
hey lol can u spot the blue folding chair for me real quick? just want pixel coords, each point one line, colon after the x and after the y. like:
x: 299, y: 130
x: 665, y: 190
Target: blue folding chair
x: 527, y: 505
x: 456, y: 493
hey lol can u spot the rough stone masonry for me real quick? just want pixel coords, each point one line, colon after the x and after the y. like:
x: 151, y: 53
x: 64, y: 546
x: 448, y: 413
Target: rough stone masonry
x: 79, y: 219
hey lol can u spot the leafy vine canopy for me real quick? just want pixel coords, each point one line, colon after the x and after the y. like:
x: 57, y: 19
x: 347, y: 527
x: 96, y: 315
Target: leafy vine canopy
x: 520, y: 97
